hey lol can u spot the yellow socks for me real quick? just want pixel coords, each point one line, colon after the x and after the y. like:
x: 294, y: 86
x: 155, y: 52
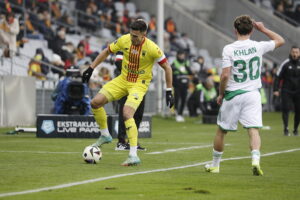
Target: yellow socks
x: 101, y: 119
x: 131, y: 131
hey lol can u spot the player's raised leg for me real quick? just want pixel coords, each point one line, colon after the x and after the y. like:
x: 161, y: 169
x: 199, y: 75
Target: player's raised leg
x: 255, y: 143
x: 101, y: 118
x: 214, y: 167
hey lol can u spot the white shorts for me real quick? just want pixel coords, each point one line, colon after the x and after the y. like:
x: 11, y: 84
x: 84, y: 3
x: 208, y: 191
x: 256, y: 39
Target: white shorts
x: 245, y: 108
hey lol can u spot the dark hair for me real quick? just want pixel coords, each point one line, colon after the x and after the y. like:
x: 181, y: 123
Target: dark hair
x: 139, y: 25
x: 40, y: 51
x: 180, y: 51
x: 80, y: 44
x: 243, y: 24
x: 9, y: 14
x: 295, y: 47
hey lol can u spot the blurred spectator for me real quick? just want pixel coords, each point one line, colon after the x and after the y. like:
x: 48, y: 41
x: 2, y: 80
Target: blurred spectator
x: 93, y: 6
x: 186, y: 43
x: 46, y: 18
x: 199, y: 69
x: 174, y: 46
x: 126, y: 18
x: 35, y: 69
x: 87, y: 20
x: 67, y: 54
x: 44, y: 67
x: 9, y: 29
x: 193, y: 102
x: 31, y: 31
x: 86, y: 44
x: 105, y: 75
x: 67, y: 19
x: 152, y: 24
x: 21, y: 40
x: 152, y: 32
x: 297, y: 14
x: 118, y: 28
x: 289, y: 74
x: 100, y: 77
x: 43, y: 23
x: 167, y: 44
x: 208, y: 97
x: 266, y: 76
x: 42, y: 4
x: 181, y: 72
x: 59, y: 64
x: 204, y: 97
x: 170, y: 26
x: 87, y: 49
x: 57, y: 43
x: 80, y: 52
x: 280, y: 10
x: 267, y: 82
x: 81, y: 5
x: 56, y: 10
x: 284, y: 9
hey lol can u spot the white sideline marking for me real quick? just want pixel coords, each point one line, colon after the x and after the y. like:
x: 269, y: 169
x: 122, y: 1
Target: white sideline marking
x: 182, y: 149
x: 172, y: 143
x: 133, y: 173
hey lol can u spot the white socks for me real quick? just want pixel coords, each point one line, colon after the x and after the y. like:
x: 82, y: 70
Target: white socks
x: 255, y: 157
x: 133, y: 151
x: 216, y: 158
x: 104, y: 132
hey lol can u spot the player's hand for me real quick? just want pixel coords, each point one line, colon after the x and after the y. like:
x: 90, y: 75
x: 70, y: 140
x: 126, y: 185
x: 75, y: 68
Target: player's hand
x: 169, y: 99
x: 87, y: 75
x: 276, y: 93
x: 259, y: 26
x: 220, y: 99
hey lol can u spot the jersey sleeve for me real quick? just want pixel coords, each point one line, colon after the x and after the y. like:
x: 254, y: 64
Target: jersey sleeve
x: 159, y: 55
x: 116, y: 46
x: 226, y: 60
x: 267, y: 46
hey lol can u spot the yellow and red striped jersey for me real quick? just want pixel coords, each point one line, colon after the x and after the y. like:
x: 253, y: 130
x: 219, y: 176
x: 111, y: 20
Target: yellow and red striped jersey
x: 137, y: 60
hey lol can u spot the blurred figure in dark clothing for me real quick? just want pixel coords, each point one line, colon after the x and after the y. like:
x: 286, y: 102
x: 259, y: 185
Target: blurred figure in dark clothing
x: 45, y: 67
x: 181, y: 73
x: 289, y: 74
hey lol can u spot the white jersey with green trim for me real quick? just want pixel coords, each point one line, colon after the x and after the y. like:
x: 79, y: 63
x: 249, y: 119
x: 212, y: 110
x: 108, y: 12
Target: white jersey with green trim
x: 245, y: 59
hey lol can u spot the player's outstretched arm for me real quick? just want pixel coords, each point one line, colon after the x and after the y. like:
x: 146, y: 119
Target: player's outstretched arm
x: 279, y: 41
x: 99, y: 59
x: 168, y: 75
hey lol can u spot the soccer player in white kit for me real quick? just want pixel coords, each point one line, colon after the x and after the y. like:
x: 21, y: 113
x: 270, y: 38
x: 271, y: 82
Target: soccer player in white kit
x: 239, y: 95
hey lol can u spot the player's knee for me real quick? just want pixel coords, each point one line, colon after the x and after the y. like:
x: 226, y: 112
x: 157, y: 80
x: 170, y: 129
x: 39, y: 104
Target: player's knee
x: 98, y: 101
x: 95, y: 104
x: 127, y: 113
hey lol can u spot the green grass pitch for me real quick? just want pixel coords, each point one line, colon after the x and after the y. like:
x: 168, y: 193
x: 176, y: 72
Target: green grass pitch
x: 28, y: 164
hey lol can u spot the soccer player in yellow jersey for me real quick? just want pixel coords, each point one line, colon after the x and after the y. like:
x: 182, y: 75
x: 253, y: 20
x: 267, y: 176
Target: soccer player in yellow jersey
x: 140, y: 54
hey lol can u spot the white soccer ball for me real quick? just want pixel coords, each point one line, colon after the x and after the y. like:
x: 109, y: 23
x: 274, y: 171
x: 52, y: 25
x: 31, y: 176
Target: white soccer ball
x: 92, y: 154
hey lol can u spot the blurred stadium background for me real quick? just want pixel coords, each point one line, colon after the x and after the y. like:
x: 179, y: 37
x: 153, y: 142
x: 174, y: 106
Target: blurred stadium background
x: 71, y: 33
